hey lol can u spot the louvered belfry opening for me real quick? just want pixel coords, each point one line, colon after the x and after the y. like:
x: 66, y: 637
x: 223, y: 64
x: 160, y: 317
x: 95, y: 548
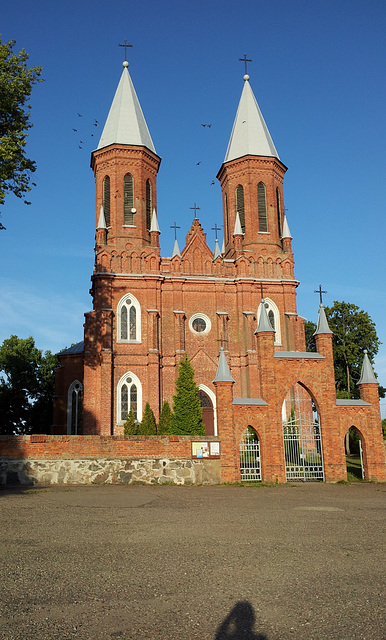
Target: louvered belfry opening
x: 128, y: 199
x: 106, y: 199
x: 262, y: 207
x: 240, y: 205
x: 148, y: 205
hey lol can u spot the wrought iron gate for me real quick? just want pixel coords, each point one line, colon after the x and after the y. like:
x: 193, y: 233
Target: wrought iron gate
x: 303, y: 450
x: 250, y: 468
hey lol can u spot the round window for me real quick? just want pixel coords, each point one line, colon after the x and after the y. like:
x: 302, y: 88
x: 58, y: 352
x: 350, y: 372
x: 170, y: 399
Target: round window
x: 200, y: 324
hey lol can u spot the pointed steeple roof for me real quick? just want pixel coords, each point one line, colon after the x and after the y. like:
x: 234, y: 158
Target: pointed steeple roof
x: 286, y: 233
x: 126, y: 123
x: 322, y: 322
x: 217, y: 252
x: 102, y: 219
x: 250, y: 135
x: 264, y: 323
x: 176, y: 249
x: 367, y: 373
x: 154, y: 223
x: 238, y: 230
x: 223, y: 374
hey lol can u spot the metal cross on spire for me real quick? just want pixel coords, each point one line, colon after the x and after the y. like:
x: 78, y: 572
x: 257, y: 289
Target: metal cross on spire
x: 126, y: 45
x: 196, y: 208
x: 320, y: 292
x: 216, y: 229
x: 175, y: 227
x: 245, y: 60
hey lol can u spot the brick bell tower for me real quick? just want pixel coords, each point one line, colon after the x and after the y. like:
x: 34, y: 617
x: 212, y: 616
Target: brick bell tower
x: 125, y: 166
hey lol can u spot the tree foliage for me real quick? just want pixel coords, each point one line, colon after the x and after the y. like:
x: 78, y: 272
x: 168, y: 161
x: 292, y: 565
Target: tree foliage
x: 26, y: 387
x: 130, y: 426
x: 353, y: 332
x: 147, y: 426
x: 165, y: 419
x: 187, y: 411
x: 16, y: 82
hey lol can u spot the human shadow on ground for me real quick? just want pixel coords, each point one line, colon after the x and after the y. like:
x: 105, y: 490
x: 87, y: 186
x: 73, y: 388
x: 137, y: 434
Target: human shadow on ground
x: 239, y: 624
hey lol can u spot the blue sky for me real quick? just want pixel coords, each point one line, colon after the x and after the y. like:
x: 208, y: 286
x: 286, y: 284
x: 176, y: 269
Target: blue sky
x: 318, y: 73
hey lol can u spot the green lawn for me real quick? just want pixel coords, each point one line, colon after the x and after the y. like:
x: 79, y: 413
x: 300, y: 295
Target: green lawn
x: 354, y: 469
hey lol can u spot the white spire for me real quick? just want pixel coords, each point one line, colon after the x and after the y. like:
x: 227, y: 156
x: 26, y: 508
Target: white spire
x: 286, y: 233
x: 223, y: 246
x: 217, y: 252
x: 250, y: 135
x: 154, y: 223
x: 264, y: 323
x: 238, y: 230
x: 102, y: 219
x: 176, y: 249
x: 126, y: 123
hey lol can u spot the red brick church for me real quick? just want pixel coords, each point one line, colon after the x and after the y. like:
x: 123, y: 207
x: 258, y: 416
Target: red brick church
x: 261, y: 390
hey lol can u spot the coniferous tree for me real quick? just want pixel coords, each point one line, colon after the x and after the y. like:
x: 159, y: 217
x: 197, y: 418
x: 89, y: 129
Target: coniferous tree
x: 165, y: 418
x: 187, y: 411
x: 147, y: 426
x: 130, y: 427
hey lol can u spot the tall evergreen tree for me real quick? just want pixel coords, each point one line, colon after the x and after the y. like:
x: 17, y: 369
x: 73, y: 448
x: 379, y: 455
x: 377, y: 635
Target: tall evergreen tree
x: 130, y: 427
x: 147, y: 426
x: 165, y: 419
x: 187, y: 412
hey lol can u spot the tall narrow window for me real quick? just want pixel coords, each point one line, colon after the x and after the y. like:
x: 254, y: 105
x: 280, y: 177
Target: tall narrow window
x: 106, y: 199
x: 129, y: 396
x: 262, y: 207
x: 148, y: 205
x: 129, y: 319
x: 240, y: 205
x: 128, y: 199
x: 74, y: 408
x: 278, y: 212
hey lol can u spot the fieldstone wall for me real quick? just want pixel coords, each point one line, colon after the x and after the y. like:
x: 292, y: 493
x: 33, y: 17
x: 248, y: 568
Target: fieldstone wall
x: 108, y: 471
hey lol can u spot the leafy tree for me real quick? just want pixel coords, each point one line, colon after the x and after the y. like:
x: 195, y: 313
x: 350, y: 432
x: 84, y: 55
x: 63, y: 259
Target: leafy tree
x: 16, y: 82
x: 26, y: 387
x: 147, y: 425
x: 353, y: 332
x: 384, y: 428
x: 165, y: 419
x: 187, y: 412
x: 130, y: 426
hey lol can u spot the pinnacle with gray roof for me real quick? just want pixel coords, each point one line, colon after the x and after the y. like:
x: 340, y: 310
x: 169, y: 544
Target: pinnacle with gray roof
x: 223, y: 374
x: 322, y: 322
x: 367, y: 373
x: 126, y: 123
x: 250, y: 135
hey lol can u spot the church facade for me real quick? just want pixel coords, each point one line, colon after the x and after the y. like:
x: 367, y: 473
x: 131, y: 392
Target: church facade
x: 233, y: 311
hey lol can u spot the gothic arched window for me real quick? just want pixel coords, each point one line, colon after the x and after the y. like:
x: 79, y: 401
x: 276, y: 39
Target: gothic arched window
x: 240, y: 205
x: 262, y: 207
x: 128, y: 199
x: 106, y: 199
x: 148, y: 205
x: 129, y: 396
x: 129, y: 320
x: 74, y: 408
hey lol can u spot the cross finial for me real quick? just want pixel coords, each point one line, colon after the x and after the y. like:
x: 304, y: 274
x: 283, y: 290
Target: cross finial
x: 216, y: 229
x: 320, y: 292
x: 175, y: 227
x: 126, y: 45
x: 196, y: 208
x: 245, y: 60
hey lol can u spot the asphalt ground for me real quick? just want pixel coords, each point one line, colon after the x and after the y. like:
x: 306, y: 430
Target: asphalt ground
x: 304, y: 561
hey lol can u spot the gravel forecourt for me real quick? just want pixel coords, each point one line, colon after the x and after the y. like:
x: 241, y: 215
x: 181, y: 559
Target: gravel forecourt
x: 295, y: 561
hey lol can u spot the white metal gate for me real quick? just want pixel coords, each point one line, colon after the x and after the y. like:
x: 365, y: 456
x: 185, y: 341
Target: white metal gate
x: 250, y: 468
x: 303, y: 450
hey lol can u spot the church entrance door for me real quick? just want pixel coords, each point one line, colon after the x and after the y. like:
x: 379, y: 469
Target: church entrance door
x: 207, y: 412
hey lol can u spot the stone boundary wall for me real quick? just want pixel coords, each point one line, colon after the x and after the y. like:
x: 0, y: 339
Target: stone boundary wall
x: 44, y: 459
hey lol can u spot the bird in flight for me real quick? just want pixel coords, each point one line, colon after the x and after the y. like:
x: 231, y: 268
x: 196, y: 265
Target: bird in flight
x: 206, y: 125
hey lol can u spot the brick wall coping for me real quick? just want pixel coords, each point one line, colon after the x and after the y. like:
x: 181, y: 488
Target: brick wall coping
x: 308, y: 355
x: 250, y: 401
x: 41, y: 437
x: 351, y: 403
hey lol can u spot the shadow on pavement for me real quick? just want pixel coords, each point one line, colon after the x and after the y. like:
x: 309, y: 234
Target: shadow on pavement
x: 239, y: 624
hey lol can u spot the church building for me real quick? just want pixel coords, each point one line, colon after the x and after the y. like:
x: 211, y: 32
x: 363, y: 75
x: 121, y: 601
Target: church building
x: 232, y: 310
